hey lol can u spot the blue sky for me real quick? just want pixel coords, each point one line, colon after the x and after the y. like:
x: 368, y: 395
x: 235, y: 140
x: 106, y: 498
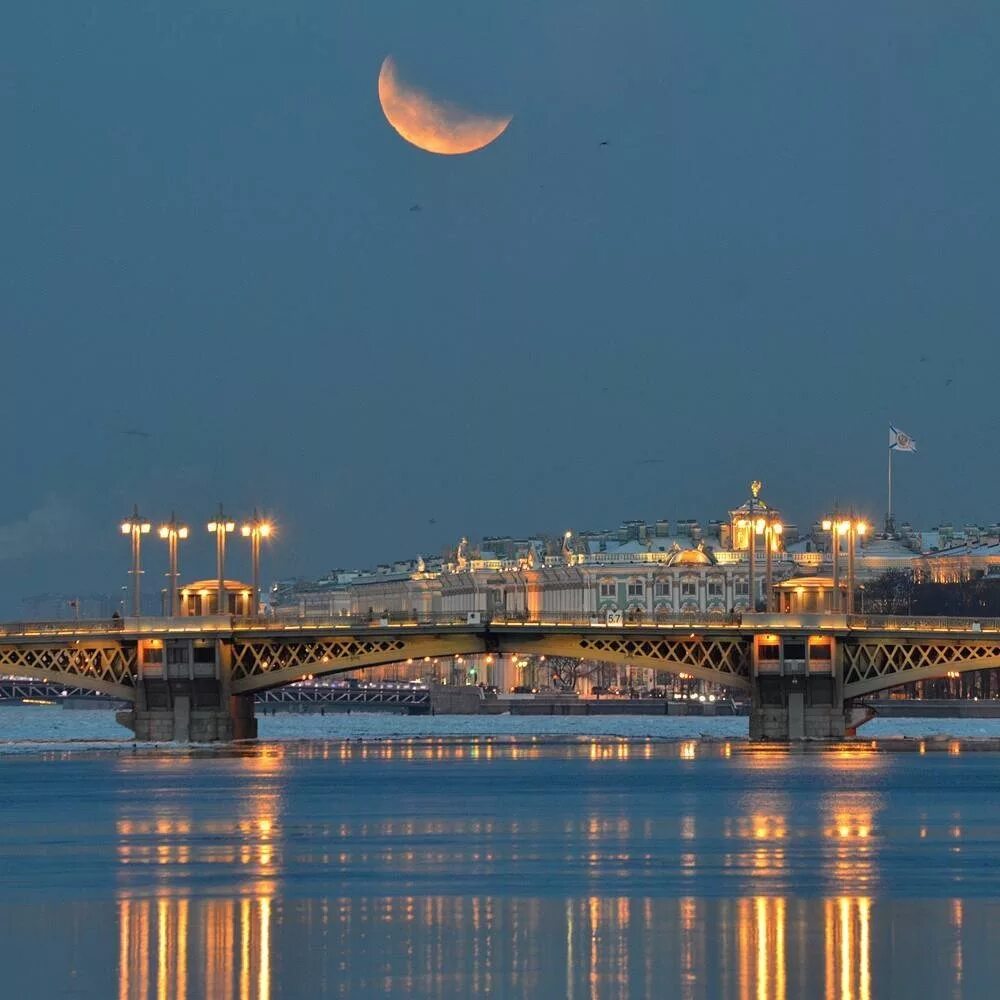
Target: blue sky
x: 787, y: 242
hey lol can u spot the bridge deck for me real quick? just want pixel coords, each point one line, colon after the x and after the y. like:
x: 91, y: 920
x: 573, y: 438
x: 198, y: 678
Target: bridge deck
x: 230, y: 626
x: 876, y: 652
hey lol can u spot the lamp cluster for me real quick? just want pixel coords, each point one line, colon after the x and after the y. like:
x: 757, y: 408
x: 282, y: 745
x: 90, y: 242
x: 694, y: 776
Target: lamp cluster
x: 135, y: 526
x: 763, y: 522
x: 852, y: 528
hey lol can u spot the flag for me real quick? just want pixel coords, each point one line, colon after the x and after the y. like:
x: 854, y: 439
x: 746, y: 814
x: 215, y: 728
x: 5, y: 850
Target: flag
x: 900, y: 441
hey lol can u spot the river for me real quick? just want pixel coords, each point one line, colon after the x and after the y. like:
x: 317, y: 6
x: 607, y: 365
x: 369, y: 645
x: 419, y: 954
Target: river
x: 362, y: 856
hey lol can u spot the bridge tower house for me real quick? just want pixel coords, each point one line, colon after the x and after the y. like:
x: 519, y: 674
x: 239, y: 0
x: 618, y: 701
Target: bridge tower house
x: 183, y: 685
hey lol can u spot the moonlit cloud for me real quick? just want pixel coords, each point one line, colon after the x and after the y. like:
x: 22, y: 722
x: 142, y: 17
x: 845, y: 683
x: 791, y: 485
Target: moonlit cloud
x: 47, y: 528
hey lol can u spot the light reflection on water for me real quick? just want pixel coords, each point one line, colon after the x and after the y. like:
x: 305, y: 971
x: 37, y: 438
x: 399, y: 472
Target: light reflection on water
x: 441, y: 868
x: 752, y: 948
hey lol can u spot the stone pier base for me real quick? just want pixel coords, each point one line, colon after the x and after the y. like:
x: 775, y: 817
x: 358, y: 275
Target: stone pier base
x: 454, y: 699
x: 797, y: 721
x: 189, y: 713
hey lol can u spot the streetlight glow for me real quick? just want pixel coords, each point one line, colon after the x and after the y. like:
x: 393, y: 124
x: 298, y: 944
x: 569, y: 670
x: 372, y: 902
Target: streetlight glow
x: 220, y: 527
x: 255, y: 529
x: 840, y: 527
x: 136, y: 527
x: 170, y: 533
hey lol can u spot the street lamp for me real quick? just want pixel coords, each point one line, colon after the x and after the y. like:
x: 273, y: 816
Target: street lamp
x: 760, y: 521
x: 136, y: 527
x: 772, y: 532
x: 851, y: 528
x: 170, y: 533
x: 255, y: 529
x: 221, y: 527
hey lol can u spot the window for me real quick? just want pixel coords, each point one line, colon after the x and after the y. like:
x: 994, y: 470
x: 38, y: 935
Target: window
x: 152, y: 654
x: 662, y: 588
x: 635, y: 588
x: 608, y: 590
x: 715, y: 588
x: 819, y: 651
x: 204, y: 654
x: 689, y: 588
x: 177, y: 654
x: 743, y: 588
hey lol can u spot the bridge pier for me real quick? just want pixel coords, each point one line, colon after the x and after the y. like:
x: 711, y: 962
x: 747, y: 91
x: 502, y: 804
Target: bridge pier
x: 170, y: 713
x: 795, y: 712
x: 183, y: 695
x: 797, y: 688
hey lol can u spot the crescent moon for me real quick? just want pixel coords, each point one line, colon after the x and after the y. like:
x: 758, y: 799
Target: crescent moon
x: 432, y: 125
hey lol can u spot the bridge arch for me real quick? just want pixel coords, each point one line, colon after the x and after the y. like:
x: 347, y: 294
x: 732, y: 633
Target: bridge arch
x: 877, y: 664
x: 260, y: 664
x: 723, y: 660
x: 107, y: 667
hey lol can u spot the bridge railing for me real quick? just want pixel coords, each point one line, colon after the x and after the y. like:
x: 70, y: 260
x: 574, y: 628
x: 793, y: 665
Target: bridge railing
x: 347, y: 622
x: 474, y: 618
x: 221, y: 624
x: 75, y: 626
x: 626, y: 619
x: 923, y: 623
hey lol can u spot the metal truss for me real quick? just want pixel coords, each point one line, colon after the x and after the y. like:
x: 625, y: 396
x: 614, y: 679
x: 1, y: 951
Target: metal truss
x: 107, y: 668
x: 259, y: 658
x: 871, y: 665
x: 21, y: 688
x: 726, y: 661
x: 322, y: 694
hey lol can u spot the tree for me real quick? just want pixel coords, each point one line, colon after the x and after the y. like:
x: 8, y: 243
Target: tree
x: 565, y: 671
x: 890, y: 593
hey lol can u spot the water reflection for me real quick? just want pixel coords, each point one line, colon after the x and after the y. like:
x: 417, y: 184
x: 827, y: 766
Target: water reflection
x: 644, y: 890
x: 761, y: 948
x: 179, y: 948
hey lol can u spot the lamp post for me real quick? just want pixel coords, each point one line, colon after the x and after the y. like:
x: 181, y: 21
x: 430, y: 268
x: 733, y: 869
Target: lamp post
x: 136, y: 527
x: 255, y: 529
x: 221, y: 526
x: 856, y: 528
x: 850, y: 528
x: 772, y: 531
x: 171, y: 532
x: 761, y: 521
x: 750, y: 523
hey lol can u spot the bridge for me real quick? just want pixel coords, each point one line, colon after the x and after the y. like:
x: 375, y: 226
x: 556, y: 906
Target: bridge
x: 195, y: 678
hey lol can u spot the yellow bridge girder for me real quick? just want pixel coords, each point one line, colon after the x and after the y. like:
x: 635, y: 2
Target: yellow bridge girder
x: 268, y: 653
x: 872, y: 665
x: 107, y: 667
x: 723, y: 660
x: 268, y: 663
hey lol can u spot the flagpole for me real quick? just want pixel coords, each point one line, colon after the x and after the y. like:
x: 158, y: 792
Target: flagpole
x: 889, y: 527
